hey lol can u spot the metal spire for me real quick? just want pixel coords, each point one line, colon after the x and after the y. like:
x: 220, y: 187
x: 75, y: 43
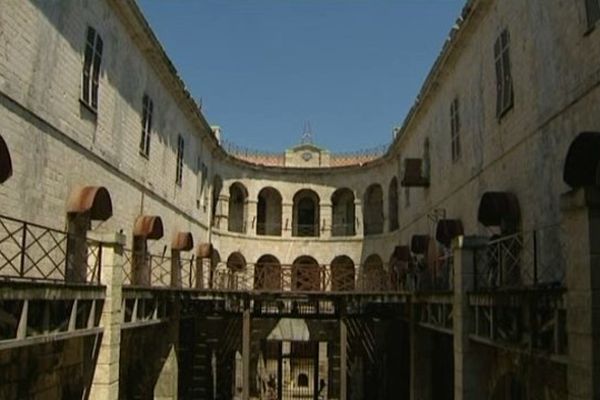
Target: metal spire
x: 307, y: 136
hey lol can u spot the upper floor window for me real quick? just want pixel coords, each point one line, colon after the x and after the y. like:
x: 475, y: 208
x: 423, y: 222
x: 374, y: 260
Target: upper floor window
x: 504, y: 100
x: 179, y: 171
x: 91, y: 68
x: 147, y: 109
x: 455, y: 129
x: 592, y: 8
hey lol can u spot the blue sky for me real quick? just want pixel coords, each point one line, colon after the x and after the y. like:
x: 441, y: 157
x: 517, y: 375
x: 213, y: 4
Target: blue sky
x: 262, y: 68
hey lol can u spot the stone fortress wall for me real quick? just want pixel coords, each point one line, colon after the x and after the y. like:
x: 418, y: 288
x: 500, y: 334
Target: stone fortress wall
x: 57, y: 143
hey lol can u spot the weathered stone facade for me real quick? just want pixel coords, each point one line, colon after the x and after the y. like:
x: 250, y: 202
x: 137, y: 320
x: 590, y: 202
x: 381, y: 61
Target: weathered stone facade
x: 58, y: 143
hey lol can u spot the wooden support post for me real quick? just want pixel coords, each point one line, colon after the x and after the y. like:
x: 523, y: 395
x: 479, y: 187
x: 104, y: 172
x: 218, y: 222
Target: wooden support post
x: 246, y: 355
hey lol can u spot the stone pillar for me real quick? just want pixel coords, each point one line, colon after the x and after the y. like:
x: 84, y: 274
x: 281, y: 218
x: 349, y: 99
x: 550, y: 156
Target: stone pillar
x: 222, y: 213
x: 581, y: 225
x: 251, y: 217
x: 326, y: 220
x: 175, y: 268
x: 468, y: 382
x: 358, y: 218
x: 287, y: 210
x: 105, y: 383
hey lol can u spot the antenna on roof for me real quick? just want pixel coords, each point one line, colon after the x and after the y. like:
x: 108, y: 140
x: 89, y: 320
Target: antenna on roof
x: 307, y: 136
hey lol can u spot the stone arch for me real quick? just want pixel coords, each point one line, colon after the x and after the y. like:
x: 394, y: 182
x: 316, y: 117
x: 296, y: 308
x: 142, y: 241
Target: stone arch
x: 305, y: 274
x: 393, y: 204
x: 373, y: 274
x: 582, y: 164
x: 216, y: 207
x: 236, y: 266
x: 268, y: 212
x: 146, y: 227
x: 5, y: 161
x: 267, y: 273
x: 500, y: 209
x: 306, y: 213
x: 238, y: 205
x: 373, y: 210
x: 343, y: 213
x: 342, y: 274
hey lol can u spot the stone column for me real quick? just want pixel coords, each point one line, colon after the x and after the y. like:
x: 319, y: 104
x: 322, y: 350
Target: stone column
x: 175, y: 268
x: 358, y: 218
x: 251, y: 217
x: 287, y: 210
x: 581, y: 225
x: 105, y: 383
x: 326, y: 219
x: 222, y: 213
x: 468, y: 382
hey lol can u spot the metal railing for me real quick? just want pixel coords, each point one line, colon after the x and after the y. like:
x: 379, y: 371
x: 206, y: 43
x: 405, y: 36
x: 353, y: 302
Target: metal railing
x: 524, y: 259
x: 34, y: 252
x: 150, y: 270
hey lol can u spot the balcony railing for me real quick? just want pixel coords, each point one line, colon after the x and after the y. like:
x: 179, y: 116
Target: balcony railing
x: 524, y: 259
x: 34, y: 252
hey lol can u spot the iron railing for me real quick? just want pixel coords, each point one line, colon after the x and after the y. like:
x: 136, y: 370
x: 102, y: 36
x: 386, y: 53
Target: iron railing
x: 34, y: 252
x: 144, y: 269
x: 524, y: 259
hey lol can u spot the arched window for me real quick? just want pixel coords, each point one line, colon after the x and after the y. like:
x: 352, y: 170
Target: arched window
x: 305, y: 274
x: 267, y: 273
x: 306, y: 214
x: 393, y: 204
x: 342, y: 274
x: 268, y: 213
x: 373, y: 210
x: 373, y: 274
x: 216, y: 208
x: 236, y: 264
x: 238, y: 196
x: 342, y: 202
x: 302, y: 380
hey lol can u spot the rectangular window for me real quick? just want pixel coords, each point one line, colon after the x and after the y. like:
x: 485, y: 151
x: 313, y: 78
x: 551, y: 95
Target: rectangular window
x: 147, y: 110
x: 455, y: 129
x: 91, y: 68
x: 592, y: 8
x: 179, y: 171
x: 504, y: 100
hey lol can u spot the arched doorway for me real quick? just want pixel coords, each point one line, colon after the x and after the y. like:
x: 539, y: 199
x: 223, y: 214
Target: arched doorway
x: 305, y: 274
x: 236, y: 266
x: 374, y: 277
x: 342, y: 274
x: 268, y: 213
x: 267, y: 273
x: 238, y: 196
x: 343, y: 213
x: 373, y: 210
x: 306, y: 214
x: 393, y: 204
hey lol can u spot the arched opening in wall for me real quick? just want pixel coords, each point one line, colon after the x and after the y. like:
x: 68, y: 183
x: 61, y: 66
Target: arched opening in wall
x: 582, y: 164
x: 373, y: 274
x: 146, y: 227
x: 236, y: 266
x: 305, y: 274
x: 393, y: 204
x: 267, y: 273
x: 343, y: 213
x: 302, y: 380
x: 216, y: 205
x: 306, y: 214
x: 5, y: 161
x: 502, y: 267
x: 342, y: 274
x: 373, y: 210
x: 268, y: 212
x: 509, y: 387
x: 85, y: 204
x: 238, y: 200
